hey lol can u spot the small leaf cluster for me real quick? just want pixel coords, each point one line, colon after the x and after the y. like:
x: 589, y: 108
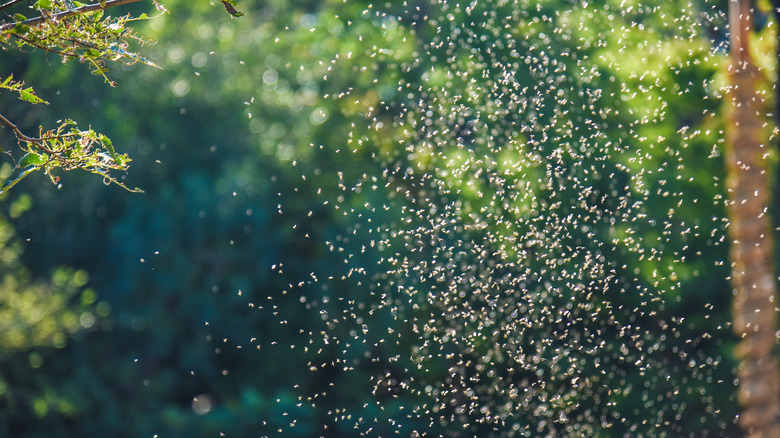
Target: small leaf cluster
x: 90, y: 37
x: 65, y: 147
x: 25, y: 94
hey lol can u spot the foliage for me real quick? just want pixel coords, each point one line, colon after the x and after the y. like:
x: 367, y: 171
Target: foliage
x: 72, y: 31
x: 65, y: 147
x: 35, y: 313
x: 364, y: 125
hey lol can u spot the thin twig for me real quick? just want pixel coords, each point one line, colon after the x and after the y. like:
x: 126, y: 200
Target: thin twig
x: 39, y: 142
x: 19, y: 134
x: 59, y: 16
x: 44, y: 48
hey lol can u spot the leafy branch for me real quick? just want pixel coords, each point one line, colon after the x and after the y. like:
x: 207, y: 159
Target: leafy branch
x: 80, y: 33
x: 71, y: 30
x: 65, y: 147
x: 48, y: 5
x: 25, y: 94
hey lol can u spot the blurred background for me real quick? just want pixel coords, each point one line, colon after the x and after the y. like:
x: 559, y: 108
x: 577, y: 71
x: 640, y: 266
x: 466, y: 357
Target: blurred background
x: 139, y: 315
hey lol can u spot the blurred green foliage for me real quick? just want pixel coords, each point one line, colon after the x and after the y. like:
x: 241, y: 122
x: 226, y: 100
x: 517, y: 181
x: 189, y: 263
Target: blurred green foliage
x: 291, y: 107
x: 37, y: 313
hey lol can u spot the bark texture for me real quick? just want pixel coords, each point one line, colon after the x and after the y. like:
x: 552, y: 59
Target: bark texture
x: 750, y: 233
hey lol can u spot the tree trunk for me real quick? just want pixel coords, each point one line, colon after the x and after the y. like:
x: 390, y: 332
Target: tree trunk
x: 750, y: 233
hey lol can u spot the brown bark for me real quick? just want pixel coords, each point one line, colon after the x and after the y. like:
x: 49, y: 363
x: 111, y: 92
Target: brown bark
x: 750, y: 233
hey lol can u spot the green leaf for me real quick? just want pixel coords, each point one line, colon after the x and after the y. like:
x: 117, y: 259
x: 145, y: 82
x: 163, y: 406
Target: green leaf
x: 9, y: 183
x: 19, y: 17
x: 44, y: 4
x: 108, y: 145
x: 33, y: 159
x: 28, y: 95
x: 21, y: 29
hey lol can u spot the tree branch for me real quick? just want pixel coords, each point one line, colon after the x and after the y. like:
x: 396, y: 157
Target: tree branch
x: 9, y: 4
x: 38, y: 142
x: 45, y: 49
x: 81, y: 10
x: 19, y: 134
